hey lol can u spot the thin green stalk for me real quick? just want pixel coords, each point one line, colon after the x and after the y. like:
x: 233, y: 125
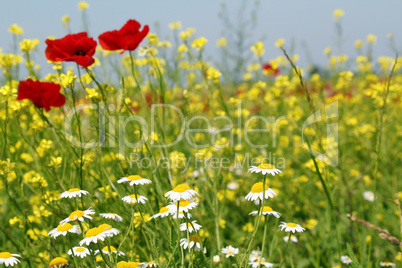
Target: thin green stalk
x: 263, y: 238
x: 286, y: 250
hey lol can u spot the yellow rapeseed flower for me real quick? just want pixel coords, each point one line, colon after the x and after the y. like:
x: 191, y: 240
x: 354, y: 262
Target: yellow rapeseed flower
x: 83, y: 5
x: 28, y: 44
x: 199, y: 43
x: 338, y: 13
x: 65, y: 20
x: 280, y: 42
x: 258, y: 49
x: 221, y: 42
x: 175, y: 25
x: 15, y: 29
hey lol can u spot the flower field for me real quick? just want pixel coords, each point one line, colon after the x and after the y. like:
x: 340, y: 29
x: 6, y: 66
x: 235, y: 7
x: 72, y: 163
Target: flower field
x: 130, y: 150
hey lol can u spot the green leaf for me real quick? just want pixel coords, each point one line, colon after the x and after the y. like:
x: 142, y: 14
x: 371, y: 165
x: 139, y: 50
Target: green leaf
x: 355, y: 263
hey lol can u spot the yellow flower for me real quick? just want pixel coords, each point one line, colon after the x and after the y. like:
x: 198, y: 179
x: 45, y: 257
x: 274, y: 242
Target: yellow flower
x: 15, y: 29
x: 221, y: 42
x: 280, y: 42
x: 213, y: 74
x: 258, y: 49
x: 83, y: 5
x: 311, y: 223
x: 175, y: 25
x: 187, y: 33
x: 338, y: 13
x: 67, y: 79
x: 65, y: 20
x: 55, y: 161
x: 27, y: 44
x: 199, y: 43
x: 327, y: 50
x: 371, y: 38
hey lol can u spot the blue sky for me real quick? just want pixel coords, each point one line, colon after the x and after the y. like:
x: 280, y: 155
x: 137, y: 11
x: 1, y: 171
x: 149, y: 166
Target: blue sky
x: 306, y: 21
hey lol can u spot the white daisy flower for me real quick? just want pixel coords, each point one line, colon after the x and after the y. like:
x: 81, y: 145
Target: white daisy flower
x: 291, y: 227
x: 149, y: 264
x: 163, y: 212
x: 265, y: 169
x: 9, y: 259
x: 369, y: 196
x: 134, y: 180
x: 98, y: 233
x: 216, y: 259
x: 181, y: 192
x: 79, y: 215
x: 345, y: 259
x: 112, y: 216
x: 112, y: 249
x: 254, y: 255
x: 63, y: 229
x: 58, y: 262
x: 194, y: 242
x: 258, y: 193
x: 233, y: 185
x: 230, y: 251
x: 181, y: 215
x: 387, y: 264
x: 134, y: 199
x: 79, y: 252
x: 292, y: 238
x: 260, y: 263
x: 266, y: 211
x: 184, y: 206
x: 73, y: 193
x: 189, y: 226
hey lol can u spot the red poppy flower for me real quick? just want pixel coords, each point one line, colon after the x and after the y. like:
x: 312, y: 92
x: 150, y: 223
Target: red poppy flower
x: 72, y: 47
x: 42, y: 94
x: 270, y: 70
x: 127, y: 38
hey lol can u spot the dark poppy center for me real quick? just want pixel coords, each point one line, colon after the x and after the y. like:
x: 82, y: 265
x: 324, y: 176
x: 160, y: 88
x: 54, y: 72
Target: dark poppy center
x: 80, y: 52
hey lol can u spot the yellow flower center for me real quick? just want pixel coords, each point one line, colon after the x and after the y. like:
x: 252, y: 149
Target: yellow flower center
x: 290, y: 224
x: 93, y: 232
x: 76, y: 214
x: 5, y: 255
x: 230, y: 252
x: 124, y: 264
x: 267, y: 209
x: 134, y: 178
x: 163, y: 210
x: 183, y: 203
x: 266, y: 166
x: 257, y: 187
x: 111, y: 213
x: 73, y: 190
x: 112, y: 248
x: 80, y: 249
x: 58, y: 262
x: 134, y: 196
x: 181, y: 188
x: 104, y: 227
x: 189, y: 224
x: 64, y: 227
x: 194, y: 238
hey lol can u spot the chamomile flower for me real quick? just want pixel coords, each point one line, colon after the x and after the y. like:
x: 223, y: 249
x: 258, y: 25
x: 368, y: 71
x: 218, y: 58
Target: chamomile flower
x: 134, y: 199
x: 98, y: 233
x: 257, y: 192
x: 79, y: 215
x: 189, y: 226
x: 182, y: 206
x: 291, y: 227
x: 233, y: 185
x: 9, y: 259
x: 346, y: 259
x: 387, y: 264
x: 254, y: 255
x: 58, y: 262
x: 192, y: 242
x: 149, y: 264
x: 73, y: 193
x: 63, y: 229
x: 369, y: 196
x: 79, y: 252
x: 181, y: 192
x: 112, y: 216
x: 260, y: 263
x: 292, y: 238
x: 230, y: 251
x: 134, y: 180
x: 266, y: 210
x: 265, y: 169
x: 163, y: 212
x: 181, y: 215
x: 112, y: 249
